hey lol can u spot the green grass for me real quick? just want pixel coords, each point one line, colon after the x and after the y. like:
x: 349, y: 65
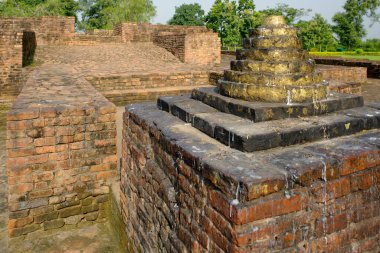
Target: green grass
x: 368, y: 57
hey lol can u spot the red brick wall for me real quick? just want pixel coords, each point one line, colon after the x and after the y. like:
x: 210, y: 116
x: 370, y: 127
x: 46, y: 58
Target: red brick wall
x: 10, y: 63
x: 49, y: 30
x: 202, y: 48
x: 343, y: 74
x: 122, y: 90
x: 170, y: 201
x: 61, y: 152
x: 373, y: 67
x: 191, y: 44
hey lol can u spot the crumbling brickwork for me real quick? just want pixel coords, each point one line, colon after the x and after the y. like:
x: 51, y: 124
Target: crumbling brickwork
x: 179, y: 192
x: 373, y: 67
x: 122, y: 90
x: 10, y: 63
x: 61, y: 152
x: 190, y: 44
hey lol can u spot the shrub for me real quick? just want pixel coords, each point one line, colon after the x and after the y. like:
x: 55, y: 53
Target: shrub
x: 359, y: 51
x: 314, y: 49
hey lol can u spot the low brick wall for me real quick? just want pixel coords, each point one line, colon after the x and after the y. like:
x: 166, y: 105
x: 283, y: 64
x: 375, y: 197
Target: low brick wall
x: 373, y: 67
x: 139, y: 87
x: 344, y: 79
x: 61, y: 152
x: 178, y: 194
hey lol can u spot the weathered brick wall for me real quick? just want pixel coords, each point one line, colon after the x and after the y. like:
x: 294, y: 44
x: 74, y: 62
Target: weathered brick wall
x: 173, y: 201
x: 203, y: 48
x: 122, y: 90
x: 17, y: 44
x: 10, y: 63
x: 373, y: 67
x: 191, y: 44
x: 61, y: 152
x: 174, y: 43
x: 49, y: 30
x: 343, y: 74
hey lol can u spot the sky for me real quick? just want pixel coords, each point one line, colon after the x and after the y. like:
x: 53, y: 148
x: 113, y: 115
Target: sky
x: 166, y: 8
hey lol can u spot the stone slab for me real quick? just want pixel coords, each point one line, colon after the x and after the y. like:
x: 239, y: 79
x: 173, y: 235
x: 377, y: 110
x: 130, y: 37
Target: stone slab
x: 244, y: 135
x: 258, y: 111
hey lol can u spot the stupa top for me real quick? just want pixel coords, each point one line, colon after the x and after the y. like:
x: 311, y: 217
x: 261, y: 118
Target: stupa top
x: 274, y: 21
x: 273, y: 67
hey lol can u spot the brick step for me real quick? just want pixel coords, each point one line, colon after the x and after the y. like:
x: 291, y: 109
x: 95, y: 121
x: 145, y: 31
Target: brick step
x: 123, y: 97
x: 260, y: 111
x: 245, y: 135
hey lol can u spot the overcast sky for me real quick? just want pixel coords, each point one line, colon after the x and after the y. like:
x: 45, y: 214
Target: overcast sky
x: 166, y: 8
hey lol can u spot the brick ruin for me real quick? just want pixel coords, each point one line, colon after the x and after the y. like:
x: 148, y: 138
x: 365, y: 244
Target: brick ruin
x: 230, y: 169
x: 61, y: 130
x: 180, y: 189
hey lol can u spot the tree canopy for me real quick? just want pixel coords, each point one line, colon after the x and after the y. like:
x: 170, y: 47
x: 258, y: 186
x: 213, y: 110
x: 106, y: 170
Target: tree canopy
x: 349, y: 25
x: 231, y: 19
x: 316, y: 33
x: 104, y: 14
x: 188, y: 14
x: 38, y: 8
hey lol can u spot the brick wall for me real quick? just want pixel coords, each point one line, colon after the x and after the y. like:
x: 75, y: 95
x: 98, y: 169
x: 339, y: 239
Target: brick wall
x: 344, y: 79
x: 202, y: 48
x: 61, y: 152
x: 373, y: 67
x: 126, y: 89
x: 10, y: 63
x: 49, y: 30
x: 174, y: 200
x: 191, y: 44
x: 17, y: 43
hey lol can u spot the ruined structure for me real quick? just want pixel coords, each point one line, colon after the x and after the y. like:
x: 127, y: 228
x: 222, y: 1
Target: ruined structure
x: 268, y: 161
x: 61, y: 129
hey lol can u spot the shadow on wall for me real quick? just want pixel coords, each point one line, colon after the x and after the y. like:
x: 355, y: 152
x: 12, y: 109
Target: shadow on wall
x: 29, y: 45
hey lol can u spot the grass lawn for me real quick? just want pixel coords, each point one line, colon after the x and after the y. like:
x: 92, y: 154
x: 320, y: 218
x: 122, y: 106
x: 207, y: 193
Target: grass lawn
x: 368, y: 57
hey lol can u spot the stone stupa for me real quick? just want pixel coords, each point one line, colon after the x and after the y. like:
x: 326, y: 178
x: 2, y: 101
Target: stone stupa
x: 273, y: 67
x: 268, y: 161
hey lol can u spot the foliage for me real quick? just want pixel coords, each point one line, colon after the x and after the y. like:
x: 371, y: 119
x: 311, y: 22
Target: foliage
x: 38, y: 8
x: 371, y: 45
x: 104, y: 14
x: 231, y: 19
x: 188, y: 14
x: 349, y: 24
x: 291, y: 14
x: 316, y: 33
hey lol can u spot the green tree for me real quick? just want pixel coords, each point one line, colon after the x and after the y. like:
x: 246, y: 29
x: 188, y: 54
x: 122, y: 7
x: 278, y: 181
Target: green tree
x: 292, y: 15
x: 104, y: 14
x: 316, y: 33
x: 231, y: 19
x: 188, y: 14
x: 38, y: 8
x: 349, y: 25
